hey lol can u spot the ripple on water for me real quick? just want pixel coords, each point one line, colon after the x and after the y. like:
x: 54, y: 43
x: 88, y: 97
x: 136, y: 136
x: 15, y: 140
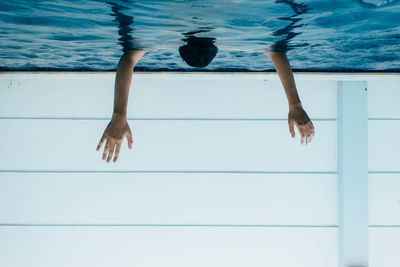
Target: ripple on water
x: 91, y: 35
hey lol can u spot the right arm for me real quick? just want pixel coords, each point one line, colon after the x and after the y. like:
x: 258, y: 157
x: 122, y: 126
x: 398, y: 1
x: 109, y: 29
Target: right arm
x: 118, y: 128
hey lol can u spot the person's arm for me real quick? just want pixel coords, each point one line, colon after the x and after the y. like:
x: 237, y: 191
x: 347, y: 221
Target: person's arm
x: 297, y: 116
x: 118, y: 128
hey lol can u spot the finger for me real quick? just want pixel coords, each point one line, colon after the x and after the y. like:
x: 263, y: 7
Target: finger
x: 118, y: 148
x: 302, y: 134
x: 106, y: 148
x: 130, y: 141
x: 110, y: 154
x: 291, y: 127
x: 311, y: 131
x: 310, y: 128
x: 103, y: 138
x: 308, y: 133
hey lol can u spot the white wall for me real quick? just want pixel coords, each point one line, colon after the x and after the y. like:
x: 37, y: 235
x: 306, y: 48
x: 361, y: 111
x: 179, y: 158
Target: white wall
x: 213, y: 178
x: 384, y: 172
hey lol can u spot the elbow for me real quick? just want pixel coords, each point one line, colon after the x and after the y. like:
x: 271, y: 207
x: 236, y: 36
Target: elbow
x: 126, y: 60
x: 131, y: 57
x: 269, y: 53
x: 275, y: 55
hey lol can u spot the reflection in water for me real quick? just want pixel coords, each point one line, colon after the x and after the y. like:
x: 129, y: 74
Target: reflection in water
x: 287, y: 32
x: 199, y: 51
x: 361, y: 35
x: 124, y: 25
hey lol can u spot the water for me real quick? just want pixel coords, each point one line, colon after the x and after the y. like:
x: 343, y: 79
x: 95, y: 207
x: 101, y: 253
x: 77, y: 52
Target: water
x: 318, y: 35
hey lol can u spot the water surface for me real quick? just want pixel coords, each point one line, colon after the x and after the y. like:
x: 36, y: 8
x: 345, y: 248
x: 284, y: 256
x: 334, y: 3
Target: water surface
x: 317, y: 35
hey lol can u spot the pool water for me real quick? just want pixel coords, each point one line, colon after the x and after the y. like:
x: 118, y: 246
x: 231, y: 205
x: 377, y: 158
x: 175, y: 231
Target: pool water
x: 317, y: 35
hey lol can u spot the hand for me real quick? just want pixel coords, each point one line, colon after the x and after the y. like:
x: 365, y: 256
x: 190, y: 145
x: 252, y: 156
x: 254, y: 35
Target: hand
x: 297, y: 116
x: 115, y: 132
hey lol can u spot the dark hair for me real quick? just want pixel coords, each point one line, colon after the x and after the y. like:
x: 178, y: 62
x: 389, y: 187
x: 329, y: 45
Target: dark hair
x: 199, y: 51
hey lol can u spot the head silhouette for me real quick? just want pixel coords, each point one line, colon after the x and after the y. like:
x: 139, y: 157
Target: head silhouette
x: 199, y: 51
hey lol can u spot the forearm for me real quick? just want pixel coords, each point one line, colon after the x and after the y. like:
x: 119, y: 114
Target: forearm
x: 282, y: 66
x: 123, y: 80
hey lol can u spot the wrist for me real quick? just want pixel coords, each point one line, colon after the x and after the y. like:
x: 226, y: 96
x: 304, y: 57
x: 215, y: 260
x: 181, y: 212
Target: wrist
x: 295, y: 105
x: 119, y: 116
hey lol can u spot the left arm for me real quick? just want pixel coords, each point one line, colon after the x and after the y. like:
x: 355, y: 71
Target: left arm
x: 297, y: 116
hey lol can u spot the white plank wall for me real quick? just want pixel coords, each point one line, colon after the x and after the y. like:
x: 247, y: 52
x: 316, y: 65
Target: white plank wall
x: 214, y: 178
x: 166, y: 246
x: 194, y: 145
x: 384, y: 145
x: 168, y: 198
x: 383, y: 99
x: 160, y: 96
x: 384, y: 246
x: 384, y: 199
x: 384, y: 172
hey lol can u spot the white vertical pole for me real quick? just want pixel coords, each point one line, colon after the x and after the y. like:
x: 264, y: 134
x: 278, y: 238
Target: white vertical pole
x: 353, y: 174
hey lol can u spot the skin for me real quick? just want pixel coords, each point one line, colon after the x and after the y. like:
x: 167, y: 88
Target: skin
x: 297, y: 116
x: 118, y: 128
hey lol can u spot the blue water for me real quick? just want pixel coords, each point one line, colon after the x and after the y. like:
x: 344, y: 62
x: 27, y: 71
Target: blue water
x: 317, y: 35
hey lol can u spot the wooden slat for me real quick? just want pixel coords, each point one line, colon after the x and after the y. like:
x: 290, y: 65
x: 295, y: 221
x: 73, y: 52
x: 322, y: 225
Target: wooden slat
x: 167, y: 145
x: 206, y: 247
x: 384, y: 199
x: 168, y: 246
x: 384, y: 145
x: 152, y: 96
x: 167, y: 198
x: 36, y: 246
x: 384, y: 247
x: 383, y: 99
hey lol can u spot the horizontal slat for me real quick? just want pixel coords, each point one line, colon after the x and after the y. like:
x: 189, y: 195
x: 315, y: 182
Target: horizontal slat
x: 169, y: 246
x: 384, y: 247
x: 148, y: 198
x: 383, y: 99
x: 167, y: 145
x: 36, y: 247
x: 383, y: 145
x: 384, y: 199
x: 91, y: 96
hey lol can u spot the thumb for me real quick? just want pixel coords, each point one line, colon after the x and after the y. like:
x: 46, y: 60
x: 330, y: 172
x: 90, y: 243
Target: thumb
x: 291, y: 127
